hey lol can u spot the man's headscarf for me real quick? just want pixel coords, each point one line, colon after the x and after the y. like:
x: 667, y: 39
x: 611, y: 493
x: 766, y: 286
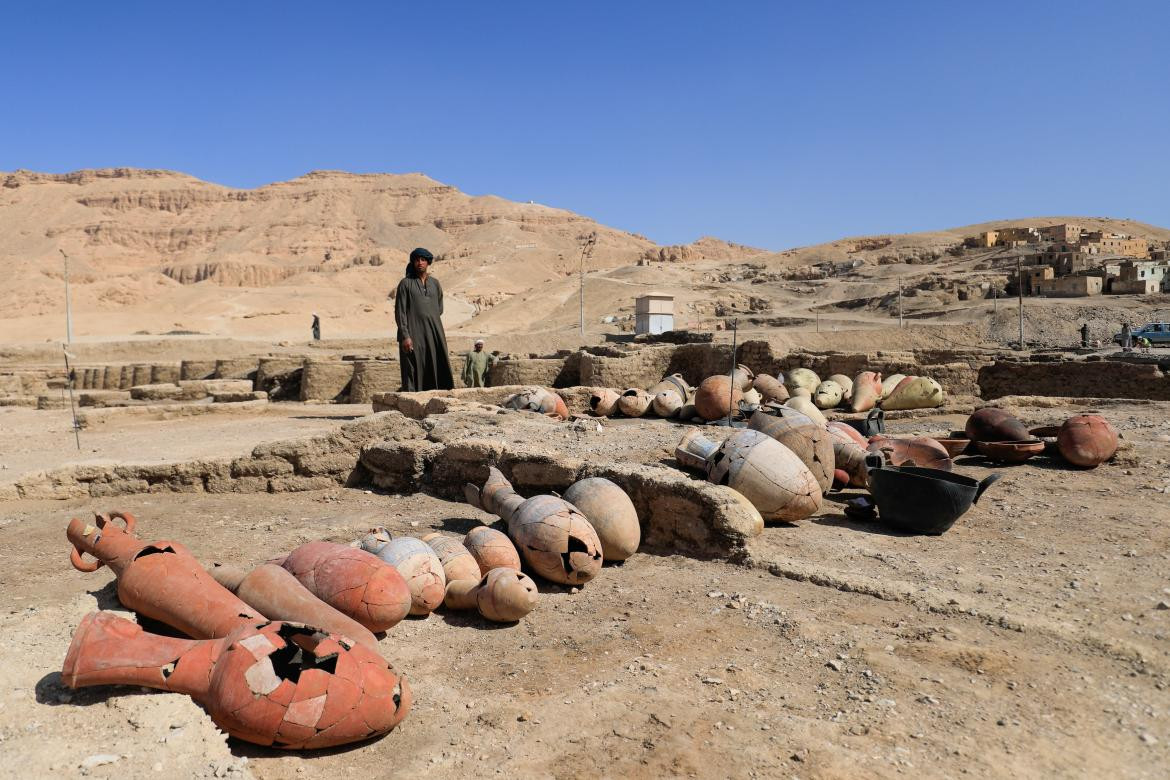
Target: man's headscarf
x: 418, y: 252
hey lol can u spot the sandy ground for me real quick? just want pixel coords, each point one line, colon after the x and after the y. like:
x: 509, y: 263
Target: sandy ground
x: 34, y: 440
x: 1030, y: 640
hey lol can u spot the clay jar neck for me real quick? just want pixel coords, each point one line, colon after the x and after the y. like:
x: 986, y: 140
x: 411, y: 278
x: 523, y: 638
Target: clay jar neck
x: 109, y: 544
x: 109, y: 650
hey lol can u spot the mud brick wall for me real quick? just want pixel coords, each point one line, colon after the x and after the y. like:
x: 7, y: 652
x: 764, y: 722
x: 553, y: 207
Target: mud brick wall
x: 523, y: 371
x: 325, y: 380
x: 197, y: 369
x: 371, y: 377
x: 236, y: 368
x: 280, y: 378
x: 165, y: 373
x: 1091, y: 379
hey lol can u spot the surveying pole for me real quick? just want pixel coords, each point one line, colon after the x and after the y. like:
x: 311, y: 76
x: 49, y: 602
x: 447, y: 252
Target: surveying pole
x: 1020, y: 296
x: 68, y: 301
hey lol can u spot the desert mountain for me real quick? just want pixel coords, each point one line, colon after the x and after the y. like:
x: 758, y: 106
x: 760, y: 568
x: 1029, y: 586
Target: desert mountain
x: 174, y: 252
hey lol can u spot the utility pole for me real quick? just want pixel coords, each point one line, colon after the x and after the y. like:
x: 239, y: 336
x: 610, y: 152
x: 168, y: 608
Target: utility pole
x: 587, y: 249
x: 1020, y: 295
x: 68, y: 302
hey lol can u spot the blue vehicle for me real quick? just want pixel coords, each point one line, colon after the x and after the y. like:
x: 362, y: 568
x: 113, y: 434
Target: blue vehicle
x: 1156, y: 332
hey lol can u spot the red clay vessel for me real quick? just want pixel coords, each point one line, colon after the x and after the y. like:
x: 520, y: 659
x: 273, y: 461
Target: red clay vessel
x: 1087, y: 440
x: 161, y: 580
x: 276, y: 594
x: 352, y: 581
x: 279, y: 684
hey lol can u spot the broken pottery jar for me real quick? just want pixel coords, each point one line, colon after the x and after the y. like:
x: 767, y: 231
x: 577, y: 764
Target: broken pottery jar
x: 716, y: 397
x: 915, y: 451
x: 505, y: 595
x: 810, y: 441
x: 539, y: 400
x: 798, y: 378
x: 770, y: 388
x: 603, y: 401
x: 844, y: 430
x: 281, y: 684
x: 634, y: 402
x: 849, y: 451
x: 416, y: 562
x: 277, y: 595
x: 611, y: 513
x: 1010, y: 451
x: 161, y: 580
x: 846, y: 385
x: 867, y: 391
x: 1087, y: 440
x: 828, y: 395
x: 914, y: 392
x: 670, y: 395
x: 992, y: 424
x: 491, y: 549
x: 554, y: 537
x: 766, y: 472
x: 352, y: 581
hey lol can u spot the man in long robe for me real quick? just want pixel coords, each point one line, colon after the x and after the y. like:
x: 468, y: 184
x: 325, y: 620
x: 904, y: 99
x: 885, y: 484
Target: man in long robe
x: 422, y: 343
x: 478, y: 363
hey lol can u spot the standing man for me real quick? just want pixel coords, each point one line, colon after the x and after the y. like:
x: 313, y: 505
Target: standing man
x: 1126, y: 337
x: 478, y: 364
x: 316, y: 327
x: 1085, y: 336
x: 418, y: 313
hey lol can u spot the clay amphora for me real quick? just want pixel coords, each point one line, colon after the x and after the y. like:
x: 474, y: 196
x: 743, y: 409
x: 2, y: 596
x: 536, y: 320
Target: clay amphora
x: 867, y: 391
x: 634, y: 402
x: 828, y: 395
x: 670, y: 395
x: 610, y: 512
x: 603, y: 401
x: 1087, y: 440
x: 801, y: 377
x: 491, y: 549
x: 915, y: 392
x: 458, y: 563
x: 161, y: 580
x: 766, y: 472
x: 716, y: 397
x: 279, y: 684
x: 352, y: 581
x: 805, y: 406
x: 416, y: 562
x: 846, y: 386
x: 539, y: 400
x: 889, y: 383
x: 770, y: 388
x: 554, y: 538
x: 811, y: 442
x: 992, y: 424
x: 505, y: 596
x: 743, y: 376
x: 275, y: 593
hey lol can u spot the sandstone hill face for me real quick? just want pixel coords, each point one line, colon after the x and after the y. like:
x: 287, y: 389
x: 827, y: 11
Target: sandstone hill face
x: 151, y: 243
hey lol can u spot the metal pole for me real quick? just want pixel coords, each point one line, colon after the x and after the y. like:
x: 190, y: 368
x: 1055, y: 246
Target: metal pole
x: 68, y: 303
x: 72, y: 405
x: 731, y: 392
x: 1020, y: 295
x: 899, y: 306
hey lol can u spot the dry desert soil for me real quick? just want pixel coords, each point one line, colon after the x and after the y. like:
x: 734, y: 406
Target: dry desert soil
x: 1030, y: 640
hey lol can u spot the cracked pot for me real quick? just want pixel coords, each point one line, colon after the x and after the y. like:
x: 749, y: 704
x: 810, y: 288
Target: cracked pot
x: 280, y: 684
x: 352, y: 581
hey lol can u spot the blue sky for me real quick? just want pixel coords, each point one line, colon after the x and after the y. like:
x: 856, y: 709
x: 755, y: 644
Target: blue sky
x: 776, y: 124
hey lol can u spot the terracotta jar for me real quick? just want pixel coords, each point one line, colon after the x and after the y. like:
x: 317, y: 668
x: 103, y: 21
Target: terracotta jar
x: 1087, y: 440
x: 277, y: 595
x: 811, y: 442
x: 279, y: 684
x: 352, y: 581
x: 611, y: 513
x: 161, y: 580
